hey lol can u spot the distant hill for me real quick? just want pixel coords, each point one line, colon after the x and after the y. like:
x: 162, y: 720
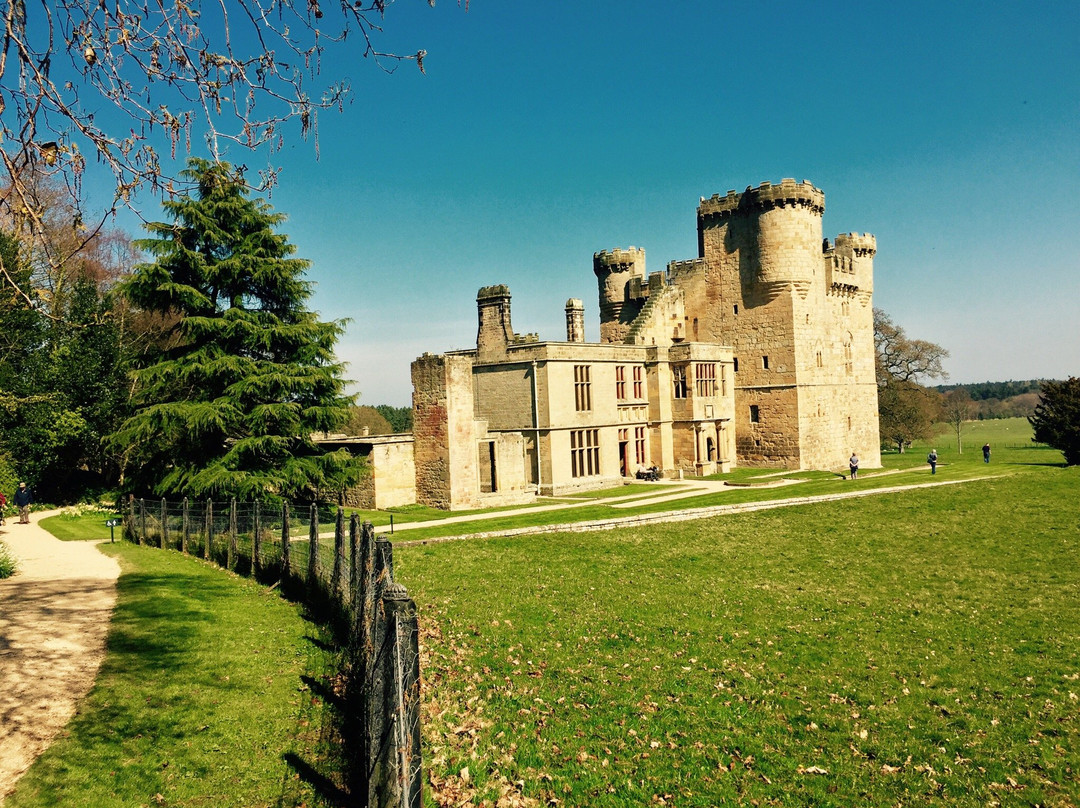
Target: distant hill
x: 1012, y: 399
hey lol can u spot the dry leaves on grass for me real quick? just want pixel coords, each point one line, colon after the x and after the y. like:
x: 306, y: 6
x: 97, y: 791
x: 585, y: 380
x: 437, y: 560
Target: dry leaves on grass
x: 455, y: 728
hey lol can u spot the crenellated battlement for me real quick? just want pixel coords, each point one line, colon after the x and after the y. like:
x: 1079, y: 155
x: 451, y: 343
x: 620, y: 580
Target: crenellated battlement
x: 617, y: 260
x: 493, y: 293
x: 788, y: 194
x: 862, y: 245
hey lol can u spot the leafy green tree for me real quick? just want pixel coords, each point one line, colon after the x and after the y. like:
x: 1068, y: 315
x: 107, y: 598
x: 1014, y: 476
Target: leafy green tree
x: 62, y: 382
x: 1057, y: 418
x: 907, y: 412
x: 244, y: 375
x: 20, y: 325
x: 906, y: 409
x: 365, y: 420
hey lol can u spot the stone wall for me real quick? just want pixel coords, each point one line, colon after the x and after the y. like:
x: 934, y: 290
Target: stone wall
x: 444, y: 432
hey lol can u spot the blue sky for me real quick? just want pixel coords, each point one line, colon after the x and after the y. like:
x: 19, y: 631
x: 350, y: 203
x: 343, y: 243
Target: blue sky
x: 544, y: 132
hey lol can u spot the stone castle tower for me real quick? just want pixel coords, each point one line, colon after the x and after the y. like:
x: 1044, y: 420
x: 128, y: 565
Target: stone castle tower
x: 796, y: 310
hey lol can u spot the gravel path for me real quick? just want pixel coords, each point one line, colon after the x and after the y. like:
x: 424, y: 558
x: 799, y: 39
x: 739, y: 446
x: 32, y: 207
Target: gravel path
x: 54, y: 615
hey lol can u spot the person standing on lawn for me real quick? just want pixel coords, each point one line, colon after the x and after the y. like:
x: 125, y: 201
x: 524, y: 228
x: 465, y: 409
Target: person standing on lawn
x: 853, y: 465
x: 23, y: 498
x: 986, y: 453
x: 932, y: 460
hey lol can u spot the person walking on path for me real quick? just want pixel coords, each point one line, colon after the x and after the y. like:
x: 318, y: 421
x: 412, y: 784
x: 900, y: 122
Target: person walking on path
x: 986, y: 452
x: 24, y: 498
x: 932, y: 460
x: 853, y: 464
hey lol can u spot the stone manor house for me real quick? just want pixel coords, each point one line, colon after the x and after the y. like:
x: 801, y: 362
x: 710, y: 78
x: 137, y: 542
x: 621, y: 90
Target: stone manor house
x: 758, y: 352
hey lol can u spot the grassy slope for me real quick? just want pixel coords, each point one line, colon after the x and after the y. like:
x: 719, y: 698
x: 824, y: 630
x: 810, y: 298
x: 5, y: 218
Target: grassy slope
x: 199, y: 701
x: 81, y: 525
x: 919, y: 647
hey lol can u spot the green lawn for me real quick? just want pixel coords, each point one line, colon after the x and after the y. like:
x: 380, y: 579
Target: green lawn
x: 915, y: 648
x: 82, y: 525
x: 209, y: 696
x: 920, y: 647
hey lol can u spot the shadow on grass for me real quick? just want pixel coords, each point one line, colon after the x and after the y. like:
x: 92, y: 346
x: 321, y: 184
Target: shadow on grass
x: 326, y: 788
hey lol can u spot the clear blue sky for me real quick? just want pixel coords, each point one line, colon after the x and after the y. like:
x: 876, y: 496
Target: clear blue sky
x: 543, y: 132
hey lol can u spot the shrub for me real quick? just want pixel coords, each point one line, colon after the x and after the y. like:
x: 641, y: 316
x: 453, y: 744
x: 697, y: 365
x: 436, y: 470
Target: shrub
x: 7, y: 562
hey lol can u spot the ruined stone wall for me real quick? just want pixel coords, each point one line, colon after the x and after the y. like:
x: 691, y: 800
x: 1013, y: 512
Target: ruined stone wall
x: 394, y: 473
x: 445, y: 451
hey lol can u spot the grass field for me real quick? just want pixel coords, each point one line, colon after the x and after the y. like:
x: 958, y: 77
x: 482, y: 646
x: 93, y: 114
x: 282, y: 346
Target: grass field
x: 916, y: 648
x: 920, y: 647
x: 208, y: 697
x: 82, y: 524
x: 1010, y: 440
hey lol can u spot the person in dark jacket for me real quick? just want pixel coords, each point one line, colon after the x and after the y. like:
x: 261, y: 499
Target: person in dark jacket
x: 23, y: 498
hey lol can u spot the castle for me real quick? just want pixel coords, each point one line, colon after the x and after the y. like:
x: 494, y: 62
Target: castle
x: 758, y: 352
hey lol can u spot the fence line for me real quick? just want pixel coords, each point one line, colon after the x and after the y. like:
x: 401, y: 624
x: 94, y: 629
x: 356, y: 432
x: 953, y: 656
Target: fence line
x: 382, y: 668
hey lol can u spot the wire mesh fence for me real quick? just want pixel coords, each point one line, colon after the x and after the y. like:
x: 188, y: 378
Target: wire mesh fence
x: 334, y: 564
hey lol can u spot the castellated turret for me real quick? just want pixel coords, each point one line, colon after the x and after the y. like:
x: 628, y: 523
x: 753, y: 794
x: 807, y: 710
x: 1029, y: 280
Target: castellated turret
x: 775, y: 230
x: 620, y: 275
x: 855, y: 252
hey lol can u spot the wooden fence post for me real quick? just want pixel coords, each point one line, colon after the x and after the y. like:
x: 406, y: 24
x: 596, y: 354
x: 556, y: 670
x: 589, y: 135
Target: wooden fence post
x: 132, y: 532
x: 285, y: 561
x: 339, y: 556
x: 256, y: 538
x: 364, y: 602
x: 209, y: 546
x: 163, y: 539
x: 402, y: 764
x: 142, y: 520
x: 230, y: 558
x: 313, y: 548
x: 354, y: 567
x: 185, y: 536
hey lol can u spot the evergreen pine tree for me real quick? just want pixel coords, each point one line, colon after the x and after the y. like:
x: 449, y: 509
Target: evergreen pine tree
x: 1056, y: 421
x: 227, y: 403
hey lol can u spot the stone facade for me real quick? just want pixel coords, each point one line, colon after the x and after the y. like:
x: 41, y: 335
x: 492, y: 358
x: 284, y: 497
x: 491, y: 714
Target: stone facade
x: 759, y: 351
x: 390, y: 480
x: 526, y: 417
x: 795, y: 308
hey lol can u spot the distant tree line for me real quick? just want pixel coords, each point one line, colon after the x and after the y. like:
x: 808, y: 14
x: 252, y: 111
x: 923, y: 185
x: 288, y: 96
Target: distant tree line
x: 1011, y: 399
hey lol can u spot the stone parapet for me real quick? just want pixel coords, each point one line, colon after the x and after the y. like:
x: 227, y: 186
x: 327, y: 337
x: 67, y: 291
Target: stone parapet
x: 617, y: 260
x: 860, y: 245
x: 766, y: 196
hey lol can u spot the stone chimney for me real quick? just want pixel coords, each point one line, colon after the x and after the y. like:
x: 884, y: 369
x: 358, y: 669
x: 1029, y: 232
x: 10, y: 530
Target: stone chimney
x: 495, y: 331
x: 575, y: 320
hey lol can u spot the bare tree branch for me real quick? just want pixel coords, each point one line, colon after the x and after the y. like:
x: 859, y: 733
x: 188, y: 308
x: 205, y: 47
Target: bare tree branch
x: 123, y: 83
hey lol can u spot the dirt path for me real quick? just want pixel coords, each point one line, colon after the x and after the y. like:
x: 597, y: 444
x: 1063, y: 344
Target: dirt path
x: 54, y: 615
